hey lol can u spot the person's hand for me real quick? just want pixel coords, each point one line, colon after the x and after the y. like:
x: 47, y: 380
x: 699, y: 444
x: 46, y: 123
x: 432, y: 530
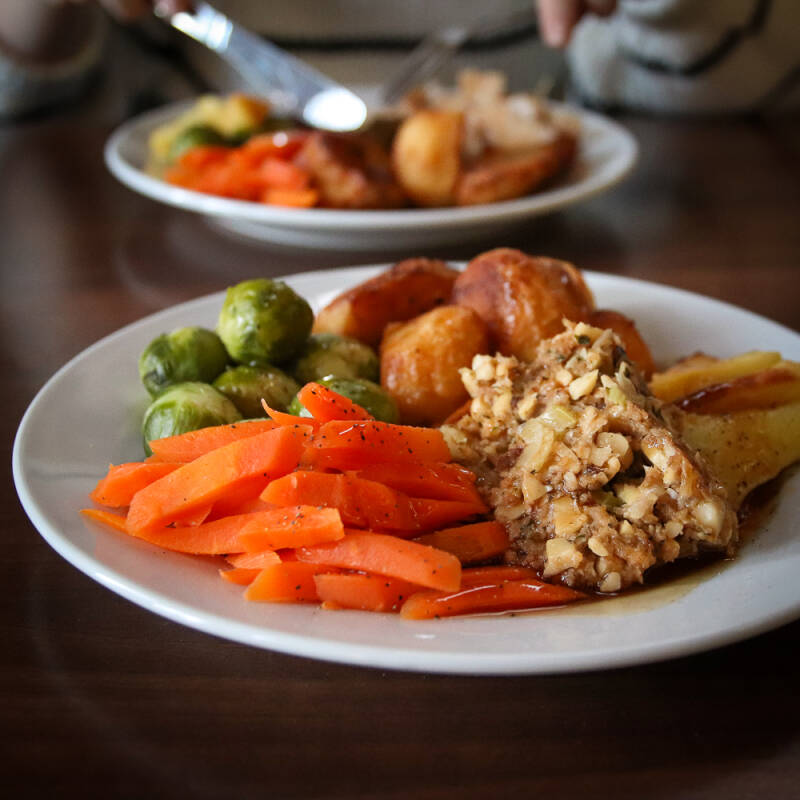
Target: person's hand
x: 557, y: 18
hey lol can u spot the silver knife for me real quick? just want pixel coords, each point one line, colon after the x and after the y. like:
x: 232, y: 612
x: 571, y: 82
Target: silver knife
x: 291, y: 86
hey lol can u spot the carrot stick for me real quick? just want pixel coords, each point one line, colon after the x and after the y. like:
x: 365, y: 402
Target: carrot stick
x: 110, y: 518
x: 287, y: 582
x: 435, y: 481
x: 295, y: 526
x: 434, y: 514
x: 209, y: 477
x: 388, y: 555
x: 361, y: 503
x: 470, y: 543
x: 518, y: 595
x: 258, y: 560
x: 365, y: 592
x: 288, y: 420
x: 188, y: 446
x: 122, y: 481
x: 239, y: 575
x: 376, y: 441
x: 325, y: 405
x: 491, y: 576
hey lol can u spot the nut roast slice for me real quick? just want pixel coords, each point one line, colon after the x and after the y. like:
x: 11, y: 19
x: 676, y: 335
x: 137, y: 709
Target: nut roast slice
x: 576, y: 458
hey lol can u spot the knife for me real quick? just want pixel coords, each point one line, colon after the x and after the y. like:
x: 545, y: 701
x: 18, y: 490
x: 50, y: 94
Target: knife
x: 292, y: 87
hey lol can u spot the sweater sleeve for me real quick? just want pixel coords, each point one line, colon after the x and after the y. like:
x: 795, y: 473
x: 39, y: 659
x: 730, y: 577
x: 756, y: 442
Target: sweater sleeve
x: 685, y: 57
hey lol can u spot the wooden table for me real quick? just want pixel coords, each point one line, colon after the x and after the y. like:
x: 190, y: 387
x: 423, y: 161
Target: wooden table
x: 101, y: 697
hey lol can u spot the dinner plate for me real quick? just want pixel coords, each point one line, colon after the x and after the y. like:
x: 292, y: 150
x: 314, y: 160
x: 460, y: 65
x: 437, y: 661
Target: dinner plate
x: 88, y: 415
x: 607, y: 154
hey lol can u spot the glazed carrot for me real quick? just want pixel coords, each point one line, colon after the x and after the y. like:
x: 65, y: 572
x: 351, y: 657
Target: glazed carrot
x: 258, y: 560
x: 325, y: 405
x: 277, y: 173
x: 110, y: 518
x: 239, y: 575
x: 435, y: 481
x: 122, y: 481
x: 361, y: 503
x: 518, y: 595
x: 365, y: 592
x: 388, y: 555
x: 288, y: 420
x: 295, y: 526
x: 292, y: 198
x: 287, y: 582
x: 208, y: 538
x: 188, y: 446
x: 491, y: 576
x: 209, y: 477
x: 470, y: 543
x: 435, y: 514
x: 375, y: 441
x: 242, y: 499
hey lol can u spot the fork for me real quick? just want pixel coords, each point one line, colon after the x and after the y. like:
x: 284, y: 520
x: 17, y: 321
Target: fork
x: 437, y: 49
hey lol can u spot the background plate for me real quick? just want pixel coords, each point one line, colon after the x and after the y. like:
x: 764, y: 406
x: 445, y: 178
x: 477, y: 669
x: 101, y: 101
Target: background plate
x: 88, y: 415
x: 607, y: 154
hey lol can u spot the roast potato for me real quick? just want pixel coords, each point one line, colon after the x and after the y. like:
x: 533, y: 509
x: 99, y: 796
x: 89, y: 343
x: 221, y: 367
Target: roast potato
x: 426, y: 156
x: 744, y: 449
x: 699, y: 372
x: 768, y: 388
x: 350, y: 171
x: 521, y: 298
x: 500, y: 175
x: 635, y: 347
x: 421, y: 358
x: 408, y: 289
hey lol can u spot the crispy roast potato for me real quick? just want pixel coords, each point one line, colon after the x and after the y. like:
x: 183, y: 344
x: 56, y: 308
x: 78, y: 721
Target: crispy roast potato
x: 350, y: 171
x: 635, y: 347
x: 507, y: 175
x: 521, y: 298
x: 426, y: 156
x: 420, y: 360
x: 744, y: 449
x: 408, y: 289
x: 768, y: 388
x: 698, y: 372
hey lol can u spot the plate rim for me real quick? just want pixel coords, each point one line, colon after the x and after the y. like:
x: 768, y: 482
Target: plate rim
x: 375, y: 655
x: 332, y: 220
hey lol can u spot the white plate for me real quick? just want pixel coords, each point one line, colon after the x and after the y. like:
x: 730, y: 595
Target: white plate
x: 607, y: 154
x: 88, y: 415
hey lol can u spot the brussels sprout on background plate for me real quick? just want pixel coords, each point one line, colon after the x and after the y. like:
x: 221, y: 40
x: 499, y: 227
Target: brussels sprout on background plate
x: 264, y: 322
x: 195, y: 136
x: 327, y: 354
x: 186, y: 407
x: 246, y: 386
x: 367, y: 394
x: 185, y: 354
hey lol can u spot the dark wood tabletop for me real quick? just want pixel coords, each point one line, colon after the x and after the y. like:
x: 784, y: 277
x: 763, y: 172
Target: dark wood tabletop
x: 101, y: 697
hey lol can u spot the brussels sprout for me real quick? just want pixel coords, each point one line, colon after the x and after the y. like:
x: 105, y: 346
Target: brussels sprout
x: 326, y: 354
x: 246, y: 386
x: 194, y: 136
x: 186, y: 407
x: 264, y: 322
x: 367, y: 394
x: 185, y: 354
